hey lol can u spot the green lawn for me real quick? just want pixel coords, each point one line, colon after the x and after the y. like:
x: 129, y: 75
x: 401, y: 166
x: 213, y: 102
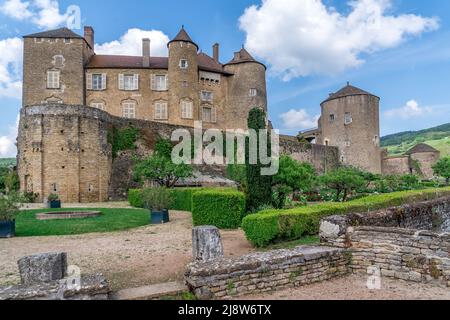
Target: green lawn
x: 110, y: 220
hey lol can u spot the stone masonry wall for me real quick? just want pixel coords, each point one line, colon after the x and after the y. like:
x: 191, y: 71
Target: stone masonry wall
x: 390, y: 240
x: 263, y: 272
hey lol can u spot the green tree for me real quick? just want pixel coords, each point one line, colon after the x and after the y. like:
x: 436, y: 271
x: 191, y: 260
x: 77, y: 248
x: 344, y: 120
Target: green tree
x: 344, y: 181
x: 160, y: 168
x: 442, y: 169
x: 259, y: 186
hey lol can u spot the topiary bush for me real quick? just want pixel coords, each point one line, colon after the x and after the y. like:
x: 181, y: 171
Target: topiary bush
x: 135, y: 198
x: 223, y: 209
x: 271, y: 226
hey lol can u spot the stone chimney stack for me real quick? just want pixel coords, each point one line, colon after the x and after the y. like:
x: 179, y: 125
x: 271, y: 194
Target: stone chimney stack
x: 216, y: 52
x: 89, y: 36
x: 146, y: 51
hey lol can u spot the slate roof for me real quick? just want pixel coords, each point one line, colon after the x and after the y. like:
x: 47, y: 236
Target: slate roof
x: 422, y: 148
x: 182, y: 36
x: 243, y: 56
x: 348, y: 91
x: 57, y: 33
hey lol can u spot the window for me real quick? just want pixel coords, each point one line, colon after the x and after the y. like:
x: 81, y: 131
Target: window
x: 208, y: 114
x: 53, y: 80
x: 206, y: 96
x: 210, y: 77
x: 183, y: 64
x: 253, y: 92
x: 186, y: 109
x: 58, y: 61
x: 96, y: 81
x: 160, y: 82
x: 67, y: 41
x: 348, y: 143
x: 129, y: 110
x: 184, y: 84
x: 128, y: 82
x: 332, y: 117
x: 98, y: 105
x: 161, y: 111
x: 348, y: 118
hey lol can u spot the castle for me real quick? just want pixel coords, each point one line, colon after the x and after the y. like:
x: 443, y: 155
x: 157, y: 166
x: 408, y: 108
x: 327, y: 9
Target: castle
x: 75, y: 102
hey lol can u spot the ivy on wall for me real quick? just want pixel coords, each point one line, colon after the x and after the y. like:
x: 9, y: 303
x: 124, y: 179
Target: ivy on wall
x: 123, y: 139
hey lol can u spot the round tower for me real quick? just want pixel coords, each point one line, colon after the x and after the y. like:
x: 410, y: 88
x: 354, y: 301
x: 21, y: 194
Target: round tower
x: 246, y: 88
x: 183, y: 78
x: 351, y: 121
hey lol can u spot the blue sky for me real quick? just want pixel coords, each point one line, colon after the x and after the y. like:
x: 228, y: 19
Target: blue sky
x: 396, y: 49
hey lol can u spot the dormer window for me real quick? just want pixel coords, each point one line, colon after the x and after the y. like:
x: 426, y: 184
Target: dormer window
x: 183, y: 64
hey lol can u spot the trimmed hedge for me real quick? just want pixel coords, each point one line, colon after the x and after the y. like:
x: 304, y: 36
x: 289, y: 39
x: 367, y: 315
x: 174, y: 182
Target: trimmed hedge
x: 223, y: 209
x: 182, y: 197
x: 270, y: 226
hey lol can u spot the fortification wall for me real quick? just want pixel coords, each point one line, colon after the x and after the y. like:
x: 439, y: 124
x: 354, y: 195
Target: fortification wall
x: 66, y: 149
x: 396, y: 165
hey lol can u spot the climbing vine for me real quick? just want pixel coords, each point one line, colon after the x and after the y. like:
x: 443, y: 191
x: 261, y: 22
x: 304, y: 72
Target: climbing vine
x: 123, y: 139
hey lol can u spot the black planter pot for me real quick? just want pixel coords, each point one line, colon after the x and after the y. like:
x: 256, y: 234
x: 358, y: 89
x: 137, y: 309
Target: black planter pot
x: 159, y: 217
x: 55, y: 204
x: 7, y: 229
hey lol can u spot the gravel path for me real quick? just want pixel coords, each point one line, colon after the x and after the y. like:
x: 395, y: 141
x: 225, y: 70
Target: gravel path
x: 354, y: 288
x: 143, y: 256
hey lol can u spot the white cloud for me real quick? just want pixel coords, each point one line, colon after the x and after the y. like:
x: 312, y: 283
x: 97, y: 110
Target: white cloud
x: 131, y: 43
x: 408, y: 111
x: 16, y: 9
x: 43, y: 13
x: 299, y: 120
x: 304, y: 37
x: 11, y: 67
x: 8, y: 147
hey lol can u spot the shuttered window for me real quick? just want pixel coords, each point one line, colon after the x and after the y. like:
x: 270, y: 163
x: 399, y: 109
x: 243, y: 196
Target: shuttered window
x: 98, y: 105
x: 187, y: 109
x: 159, y: 82
x: 129, y: 82
x: 209, y: 114
x: 161, y: 112
x: 53, y: 80
x: 96, y: 81
x: 129, y: 110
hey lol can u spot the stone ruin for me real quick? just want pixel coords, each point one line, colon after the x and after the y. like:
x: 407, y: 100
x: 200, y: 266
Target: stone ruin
x: 48, y: 277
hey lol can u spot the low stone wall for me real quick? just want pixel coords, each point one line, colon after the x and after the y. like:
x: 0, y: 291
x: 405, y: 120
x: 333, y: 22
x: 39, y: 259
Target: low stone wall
x: 419, y: 256
x: 390, y: 240
x: 263, y: 272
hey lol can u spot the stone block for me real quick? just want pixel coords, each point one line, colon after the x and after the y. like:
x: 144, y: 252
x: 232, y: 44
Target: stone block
x: 206, y: 244
x: 42, y: 268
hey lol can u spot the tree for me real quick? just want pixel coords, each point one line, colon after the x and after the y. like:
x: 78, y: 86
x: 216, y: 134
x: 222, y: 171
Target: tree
x: 442, y: 169
x: 259, y: 186
x: 344, y: 181
x: 160, y: 168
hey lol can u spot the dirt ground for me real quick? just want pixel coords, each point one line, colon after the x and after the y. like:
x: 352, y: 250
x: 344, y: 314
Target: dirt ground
x: 355, y: 288
x: 143, y: 256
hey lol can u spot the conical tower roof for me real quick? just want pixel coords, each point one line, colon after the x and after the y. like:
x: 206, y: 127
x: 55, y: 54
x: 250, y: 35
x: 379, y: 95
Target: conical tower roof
x: 348, y: 90
x: 183, y: 36
x: 243, y: 56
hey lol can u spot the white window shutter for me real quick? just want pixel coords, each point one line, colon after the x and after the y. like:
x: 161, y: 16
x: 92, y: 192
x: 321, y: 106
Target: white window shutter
x: 136, y: 82
x: 153, y: 82
x: 104, y: 81
x: 167, y: 82
x: 213, y: 115
x: 48, y: 79
x: 121, y: 82
x: 166, y: 111
x: 89, y: 81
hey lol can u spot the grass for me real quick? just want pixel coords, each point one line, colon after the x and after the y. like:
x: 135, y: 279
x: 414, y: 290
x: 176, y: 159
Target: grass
x: 443, y: 145
x: 308, y: 240
x: 111, y: 220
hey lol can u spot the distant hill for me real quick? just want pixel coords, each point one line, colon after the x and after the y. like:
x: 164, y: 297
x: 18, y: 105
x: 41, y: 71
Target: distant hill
x: 6, y: 162
x: 437, y: 137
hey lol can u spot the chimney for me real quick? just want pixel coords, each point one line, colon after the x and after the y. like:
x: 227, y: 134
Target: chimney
x: 89, y: 36
x: 146, y: 51
x: 216, y: 52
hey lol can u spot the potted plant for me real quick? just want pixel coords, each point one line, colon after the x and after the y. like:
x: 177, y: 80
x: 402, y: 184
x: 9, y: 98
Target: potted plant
x: 158, y: 201
x: 53, y: 201
x: 9, y: 208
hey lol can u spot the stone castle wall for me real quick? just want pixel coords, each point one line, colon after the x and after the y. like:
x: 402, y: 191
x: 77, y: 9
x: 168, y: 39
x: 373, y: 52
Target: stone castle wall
x: 400, y: 165
x: 64, y: 149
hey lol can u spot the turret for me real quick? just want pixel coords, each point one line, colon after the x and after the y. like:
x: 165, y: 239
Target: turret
x: 183, y: 77
x: 350, y: 121
x: 246, y: 88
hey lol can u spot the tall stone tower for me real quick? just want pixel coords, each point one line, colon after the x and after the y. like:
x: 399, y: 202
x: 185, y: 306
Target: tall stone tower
x: 53, y: 68
x: 246, y: 88
x: 350, y: 121
x: 183, y: 77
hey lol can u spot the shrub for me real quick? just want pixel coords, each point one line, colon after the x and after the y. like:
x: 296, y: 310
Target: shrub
x: 9, y: 206
x: 156, y: 198
x: 272, y: 225
x: 123, y: 139
x: 53, y: 197
x: 344, y: 181
x: 135, y: 198
x: 223, y: 209
x: 442, y: 169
